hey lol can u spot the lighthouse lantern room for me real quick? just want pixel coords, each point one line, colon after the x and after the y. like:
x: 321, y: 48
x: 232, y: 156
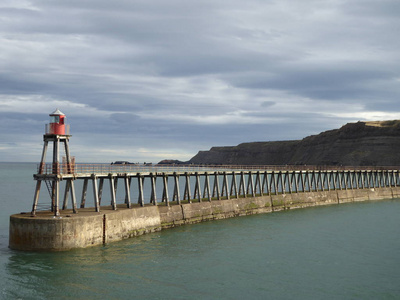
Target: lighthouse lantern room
x: 57, y: 123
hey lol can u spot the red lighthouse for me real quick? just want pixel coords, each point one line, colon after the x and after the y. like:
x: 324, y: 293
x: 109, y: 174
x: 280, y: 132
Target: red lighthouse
x: 57, y: 123
x: 56, y: 132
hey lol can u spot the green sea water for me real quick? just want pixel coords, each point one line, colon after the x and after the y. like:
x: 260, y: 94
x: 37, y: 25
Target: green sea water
x: 349, y: 251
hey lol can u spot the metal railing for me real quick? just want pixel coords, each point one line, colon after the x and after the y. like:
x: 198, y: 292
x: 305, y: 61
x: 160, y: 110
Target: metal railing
x: 64, y: 168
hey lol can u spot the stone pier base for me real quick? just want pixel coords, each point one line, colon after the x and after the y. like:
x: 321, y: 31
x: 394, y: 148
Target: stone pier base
x: 88, y: 228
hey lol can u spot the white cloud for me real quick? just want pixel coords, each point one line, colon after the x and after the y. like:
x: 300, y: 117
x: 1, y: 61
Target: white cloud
x: 34, y: 104
x: 368, y: 115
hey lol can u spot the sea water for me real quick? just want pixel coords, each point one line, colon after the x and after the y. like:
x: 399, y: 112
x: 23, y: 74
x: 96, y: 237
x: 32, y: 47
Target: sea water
x: 348, y: 251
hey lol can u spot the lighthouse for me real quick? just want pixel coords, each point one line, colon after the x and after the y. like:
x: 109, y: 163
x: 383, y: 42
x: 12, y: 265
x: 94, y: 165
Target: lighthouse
x: 56, y: 132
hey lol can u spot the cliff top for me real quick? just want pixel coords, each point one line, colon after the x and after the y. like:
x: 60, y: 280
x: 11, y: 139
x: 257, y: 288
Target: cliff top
x: 392, y: 123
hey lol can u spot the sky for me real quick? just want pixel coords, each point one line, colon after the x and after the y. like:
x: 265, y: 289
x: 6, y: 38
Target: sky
x: 144, y: 81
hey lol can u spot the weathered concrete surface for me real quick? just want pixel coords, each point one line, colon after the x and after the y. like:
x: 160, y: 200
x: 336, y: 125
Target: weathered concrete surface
x: 171, y: 216
x: 88, y: 228
x: 55, y: 233
x: 396, y: 192
x: 365, y: 194
x: 300, y: 200
x: 381, y: 193
x: 126, y: 223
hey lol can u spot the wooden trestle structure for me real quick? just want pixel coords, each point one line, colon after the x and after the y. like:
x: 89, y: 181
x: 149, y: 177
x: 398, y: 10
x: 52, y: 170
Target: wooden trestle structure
x: 200, y: 183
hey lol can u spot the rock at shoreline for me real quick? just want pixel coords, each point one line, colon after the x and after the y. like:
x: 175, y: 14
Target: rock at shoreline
x: 172, y: 162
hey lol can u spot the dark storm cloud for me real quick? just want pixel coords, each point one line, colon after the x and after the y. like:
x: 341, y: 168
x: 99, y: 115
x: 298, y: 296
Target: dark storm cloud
x: 173, y: 77
x: 267, y: 103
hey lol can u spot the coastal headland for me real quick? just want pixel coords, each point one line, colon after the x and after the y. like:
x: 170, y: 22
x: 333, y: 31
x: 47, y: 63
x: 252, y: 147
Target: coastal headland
x: 373, y: 143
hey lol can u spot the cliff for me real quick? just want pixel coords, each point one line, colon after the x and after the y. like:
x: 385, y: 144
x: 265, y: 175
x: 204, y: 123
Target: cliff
x: 354, y: 144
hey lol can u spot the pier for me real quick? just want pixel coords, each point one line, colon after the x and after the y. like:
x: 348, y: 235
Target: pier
x: 148, y: 198
x: 199, y: 183
x: 169, y: 196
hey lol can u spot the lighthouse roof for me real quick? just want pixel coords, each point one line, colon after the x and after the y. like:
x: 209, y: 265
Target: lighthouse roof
x: 57, y: 112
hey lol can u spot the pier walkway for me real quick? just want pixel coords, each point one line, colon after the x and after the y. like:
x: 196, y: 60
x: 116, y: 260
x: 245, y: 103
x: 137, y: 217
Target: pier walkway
x: 197, y: 183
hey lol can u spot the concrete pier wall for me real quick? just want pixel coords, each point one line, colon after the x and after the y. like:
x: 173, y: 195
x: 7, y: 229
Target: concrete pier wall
x: 88, y: 228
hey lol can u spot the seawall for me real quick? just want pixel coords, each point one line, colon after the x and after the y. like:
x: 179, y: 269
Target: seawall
x: 44, y: 232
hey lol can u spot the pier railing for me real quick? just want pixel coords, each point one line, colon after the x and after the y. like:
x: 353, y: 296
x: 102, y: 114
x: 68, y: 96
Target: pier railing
x: 63, y: 168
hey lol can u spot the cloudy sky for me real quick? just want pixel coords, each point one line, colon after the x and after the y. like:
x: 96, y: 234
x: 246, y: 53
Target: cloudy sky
x: 146, y: 80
